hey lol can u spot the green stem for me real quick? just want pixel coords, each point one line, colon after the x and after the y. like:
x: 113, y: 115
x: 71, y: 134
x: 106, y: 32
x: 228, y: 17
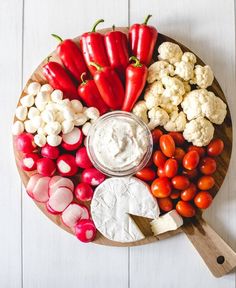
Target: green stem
x: 97, y: 66
x: 146, y: 19
x: 137, y: 63
x: 113, y: 27
x: 82, y: 78
x: 57, y: 37
x: 96, y: 24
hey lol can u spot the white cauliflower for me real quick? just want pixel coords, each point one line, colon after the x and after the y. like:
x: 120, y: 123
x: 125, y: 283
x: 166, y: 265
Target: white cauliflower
x: 152, y: 94
x: 174, y: 89
x: 199, y: 131
x: 177, y: 122
x: 189, y: 57
x: 218, y: 110
x: 203, y: 76
x: 159, y: 70
x: 140, y: 110
x: 170, y: 52
x: 158, y: 117
x: 184, y: 70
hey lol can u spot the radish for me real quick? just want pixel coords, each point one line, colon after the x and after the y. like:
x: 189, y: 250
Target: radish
x: 51, y: 211
x: 73, y: 214
x: 82, y: 158
x: 92, y: 176
x: 60, y: 199
x: 85, y: 230
x: 83, y: 192
x: 46, y: 167
x: 29, y: 161
x: 59, y: 181
x: 51, y: 152
x: 37, y: 188
x: 71, y: 141
x: 25, y: 143
x: 66, y: 165
x: 32, y: 181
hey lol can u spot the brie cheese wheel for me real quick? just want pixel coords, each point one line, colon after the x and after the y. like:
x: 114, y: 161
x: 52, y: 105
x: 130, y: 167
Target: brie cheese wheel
x: 168, y: 222
x: 113, y: 201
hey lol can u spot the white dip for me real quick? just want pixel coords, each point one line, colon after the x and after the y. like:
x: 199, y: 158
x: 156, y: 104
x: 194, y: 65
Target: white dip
x: 120, y: 143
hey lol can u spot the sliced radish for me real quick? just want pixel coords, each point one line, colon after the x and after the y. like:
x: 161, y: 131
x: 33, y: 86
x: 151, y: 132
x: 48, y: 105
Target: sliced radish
x: 92, y: 176
x: 31, y: 184
x: 25, y: 143
x: 71, y: 141
x: 85, y: 230
x: 51, y: 152
x: 46, y: 167
x: 29, y: 162
x: 60, y: 199
x: 59, y: 181
x: 40, y: 190
x: 84, y: 192
x: 82, y: 158
x: 66, y: 165
x: 51, y: 211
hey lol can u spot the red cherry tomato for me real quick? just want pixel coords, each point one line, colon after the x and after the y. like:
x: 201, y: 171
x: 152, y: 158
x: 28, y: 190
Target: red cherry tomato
x: 178, y: 138
x: 205, y: 182
x: 161, y: 172
x: 171, y: 168
x: 179, y: 154
x: 165, y: 204
x: 203, y: 199
x: 191, y: 160
x: 175, y: 194
x: 161, y: 187
x: 159, y: 159
x: 156, y: 134
x: 146, y: 174
x: 192, y: 174
x: 189, y: 193
x: 185, y: 209
x: 207, y: 166
x: 180, y: 182
x: 167, y: 145
x: 215, y: 148
x: 200, y: 150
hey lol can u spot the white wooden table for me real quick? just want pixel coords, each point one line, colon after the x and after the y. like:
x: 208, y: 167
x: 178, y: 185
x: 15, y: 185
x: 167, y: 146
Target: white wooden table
x: 33, y: 251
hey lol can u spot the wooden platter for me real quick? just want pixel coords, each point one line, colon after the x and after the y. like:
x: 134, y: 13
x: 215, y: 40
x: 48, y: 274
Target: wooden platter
x: 223, y: 131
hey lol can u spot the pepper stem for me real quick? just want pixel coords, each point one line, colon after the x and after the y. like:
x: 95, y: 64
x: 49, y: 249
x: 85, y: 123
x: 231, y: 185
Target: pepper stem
x: 146, y: 19
x: 97, y: 66
x: 82, y: 78
x: 57, y: 37
x: 96, y: 24
x: 113, y: 27
x: 137, y: 63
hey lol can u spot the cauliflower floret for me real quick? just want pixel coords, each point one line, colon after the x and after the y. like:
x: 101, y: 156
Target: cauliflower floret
x: 187, y: 87
x: 174, y: 89
x: 152, y: 94
x: 199, y: 131
x: 159, y: 70
x: 158, y: 117
x: 140, y: 110
x: 177, y: 122
x: 203, y: 76
x: 170, y: 52
x: 217, y: 111
x: 184, y: 70
x: 189, y: 57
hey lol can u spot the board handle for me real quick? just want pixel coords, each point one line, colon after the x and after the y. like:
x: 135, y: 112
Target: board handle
x: 216, y: 253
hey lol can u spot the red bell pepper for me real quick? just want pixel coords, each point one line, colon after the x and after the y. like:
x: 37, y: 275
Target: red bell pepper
x: 136, y: 75
x: 59, y: 79
x: 142, y: 39
x: 71, y: 57
x: 109, y: 86
x: 116, y: 43
x: 89, y: 93
x: 93, y: 48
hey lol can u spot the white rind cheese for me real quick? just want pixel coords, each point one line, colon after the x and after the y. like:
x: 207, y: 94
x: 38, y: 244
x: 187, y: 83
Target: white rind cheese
x: 114, y: 200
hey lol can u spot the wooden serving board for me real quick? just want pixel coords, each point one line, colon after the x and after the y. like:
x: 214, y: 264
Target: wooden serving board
x: 223, y: 131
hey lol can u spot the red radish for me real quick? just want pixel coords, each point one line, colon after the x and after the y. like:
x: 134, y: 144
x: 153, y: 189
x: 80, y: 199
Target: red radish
x: 37, y: 188
x: 60, y: 199
x: 92, y: 176
x: 29, y: 162
x: 73, y: 214
x: 82, y: 158
x: 71, y: 141
x: 46, y: 167
x: 32, y: 181
x: 51, y: 211
x: 25, y: 143
x: 83, y: 192
x: 59, y: 181
x: 51, y: 152
x: 85, y: 230
x: 66, y: 165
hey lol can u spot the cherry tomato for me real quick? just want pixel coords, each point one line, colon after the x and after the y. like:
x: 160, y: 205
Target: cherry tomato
x: 180, y: 182
x: 179, y: 154
x: 215, y: 148
x: 200, y: 150
x: 192, y: 174
x: 161, y: 172
x: 156, y: 134
x: 191, y: 160
x: 185, y: 209
x: 178, y: 138
x: 161, y: 187
x: 167, y: 145
x: 165, y: 204
x: 207, y: 166
x: 146, y: 174
x: 203, y: 199
x: 171, y: 168
x: 159, y: 158
x: 205, y: 182
x: 189, y: 193
x: 175, y: 194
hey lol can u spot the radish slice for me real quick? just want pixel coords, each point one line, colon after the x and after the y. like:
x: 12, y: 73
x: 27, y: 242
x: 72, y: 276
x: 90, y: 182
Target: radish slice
x: 71, y: 141
x: 85, y: 230
x: 73, y: 214
x: 31, y: 184
x: 66, y: 165
x: 60, y: 199
x: 59, y: 181
x: 40, y: 190
x: 51, y: 211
